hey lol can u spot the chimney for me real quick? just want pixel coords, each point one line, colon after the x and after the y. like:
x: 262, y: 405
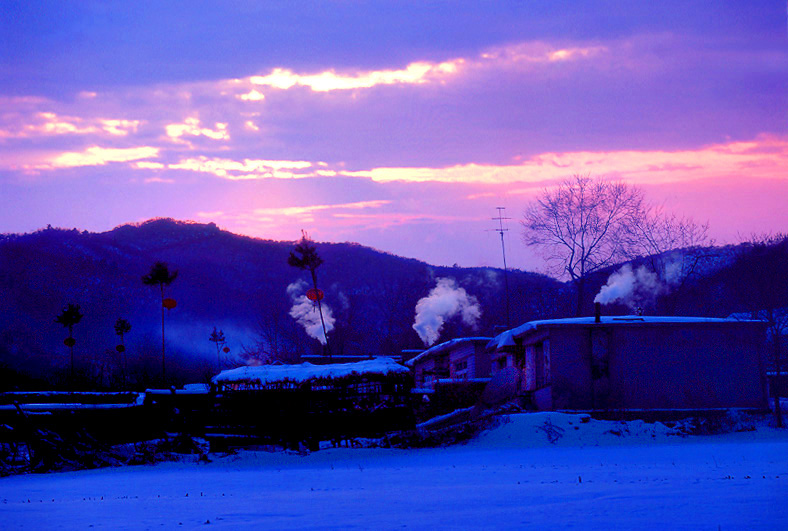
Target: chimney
x: 597, y: 312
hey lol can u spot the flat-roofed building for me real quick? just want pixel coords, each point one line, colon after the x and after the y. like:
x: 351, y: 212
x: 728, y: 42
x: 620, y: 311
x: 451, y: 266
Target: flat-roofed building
x: 461, y: 359
x: 637, y: 362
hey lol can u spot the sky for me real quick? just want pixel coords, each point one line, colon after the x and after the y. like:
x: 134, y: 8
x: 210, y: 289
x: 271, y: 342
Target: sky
x: 399, y: 125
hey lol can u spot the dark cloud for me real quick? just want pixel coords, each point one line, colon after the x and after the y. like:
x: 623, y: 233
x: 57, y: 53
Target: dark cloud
x: 55, y: 48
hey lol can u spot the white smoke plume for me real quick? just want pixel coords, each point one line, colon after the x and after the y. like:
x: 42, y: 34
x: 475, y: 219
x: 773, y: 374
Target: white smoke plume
x: 305, y: 311
x: 629, y: 287
x: 639, y: 287
x: 446, y: 300
x: 673, y: 271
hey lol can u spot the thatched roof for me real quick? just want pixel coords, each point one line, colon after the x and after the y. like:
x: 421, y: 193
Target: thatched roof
x: 266, y: 374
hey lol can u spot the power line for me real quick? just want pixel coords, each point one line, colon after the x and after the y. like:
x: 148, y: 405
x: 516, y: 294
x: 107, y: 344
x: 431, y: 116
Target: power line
x: 501, y: 230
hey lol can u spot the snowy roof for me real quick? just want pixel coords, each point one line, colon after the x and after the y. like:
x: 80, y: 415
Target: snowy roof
x: 68, y: 398
x: 778, y: 321
x: 504, y: 339
x: 306, y: 371
x: 442, y: 347
x: 344, y: 358
x: 202, y: 390
x: 508, y: 337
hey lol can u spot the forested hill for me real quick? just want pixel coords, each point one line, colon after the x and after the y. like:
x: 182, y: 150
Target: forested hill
x: 235, y: 283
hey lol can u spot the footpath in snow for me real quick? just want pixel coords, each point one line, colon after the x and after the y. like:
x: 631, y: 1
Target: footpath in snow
x: 531, y: 471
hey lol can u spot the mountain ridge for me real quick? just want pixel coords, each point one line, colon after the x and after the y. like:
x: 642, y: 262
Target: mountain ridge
x: 239, y: 284
x: 234, y: 282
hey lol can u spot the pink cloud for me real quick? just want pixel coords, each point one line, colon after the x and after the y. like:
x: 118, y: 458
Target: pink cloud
x: 518, y: 55
x: 95, y: 156
x: 288, y: 218
x: 192, y: 127
x: 421, y: 150
x: 45, y: 123
x: 763, y: 157
x: 247, y: 169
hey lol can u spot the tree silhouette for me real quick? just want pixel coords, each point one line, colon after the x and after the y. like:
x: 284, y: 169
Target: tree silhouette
x: 305, y: 257
x: 583, y: 225
x: 160, y: 276
x: 762, y: 287
x: 218, y: 339
x: 586, y: 224
x: 68, y: 318
x: 122, y: 327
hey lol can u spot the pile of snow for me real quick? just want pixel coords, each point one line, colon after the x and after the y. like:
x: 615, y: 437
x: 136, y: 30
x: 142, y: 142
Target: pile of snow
x: 43, y: 401
x: 62, y: 397
x: 563, y: 429
x: 265, y: 374
x: 197, y: 387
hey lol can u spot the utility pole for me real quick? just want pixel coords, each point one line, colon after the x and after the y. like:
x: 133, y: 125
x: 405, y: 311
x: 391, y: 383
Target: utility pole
x: 500, y: 230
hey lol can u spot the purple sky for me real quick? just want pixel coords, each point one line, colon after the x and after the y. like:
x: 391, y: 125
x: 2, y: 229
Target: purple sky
x: 399, y: 125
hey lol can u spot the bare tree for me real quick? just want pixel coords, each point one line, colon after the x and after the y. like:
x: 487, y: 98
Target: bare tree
x: 762, y: 287
x: 586, y: 224
x: 656, y: 231
x: 672, y: 243
x: 583, y: 225
x: 278, y: 340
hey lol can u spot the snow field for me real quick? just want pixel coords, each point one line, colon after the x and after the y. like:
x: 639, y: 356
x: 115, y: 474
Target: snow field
x: 511, y: 477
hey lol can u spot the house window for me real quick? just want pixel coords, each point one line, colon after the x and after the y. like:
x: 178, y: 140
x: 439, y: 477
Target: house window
x: 460, y: 371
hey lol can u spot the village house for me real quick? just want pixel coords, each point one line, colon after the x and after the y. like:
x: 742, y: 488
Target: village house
x: 461, y: 359
x: 311, y: 403
x: 636, y: 362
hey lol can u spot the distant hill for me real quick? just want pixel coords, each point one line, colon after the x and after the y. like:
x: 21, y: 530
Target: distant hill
x: 235, y: 283
x: 239, y: 285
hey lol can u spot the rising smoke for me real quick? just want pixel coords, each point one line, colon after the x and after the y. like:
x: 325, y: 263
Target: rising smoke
x: 305, y: 311
x: 446, y: 300
x: 639, y: 287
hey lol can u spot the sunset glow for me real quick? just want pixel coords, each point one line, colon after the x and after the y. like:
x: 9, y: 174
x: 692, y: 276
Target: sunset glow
x: 97, y: 156
x: 396, y: 138
x: 366, y: 264
x: 191, y: 127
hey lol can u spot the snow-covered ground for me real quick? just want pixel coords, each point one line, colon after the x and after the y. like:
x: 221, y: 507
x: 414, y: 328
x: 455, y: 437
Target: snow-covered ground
x: 594, y: 475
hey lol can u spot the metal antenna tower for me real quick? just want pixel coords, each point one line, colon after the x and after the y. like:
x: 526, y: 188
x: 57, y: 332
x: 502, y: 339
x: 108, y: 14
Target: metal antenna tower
x: 500, y: 230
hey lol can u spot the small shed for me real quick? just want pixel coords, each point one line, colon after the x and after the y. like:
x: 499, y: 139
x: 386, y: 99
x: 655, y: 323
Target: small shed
x: 368, y: 375
x: 461, y: 359
x: 636, y: 362
x: 307, y: 402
